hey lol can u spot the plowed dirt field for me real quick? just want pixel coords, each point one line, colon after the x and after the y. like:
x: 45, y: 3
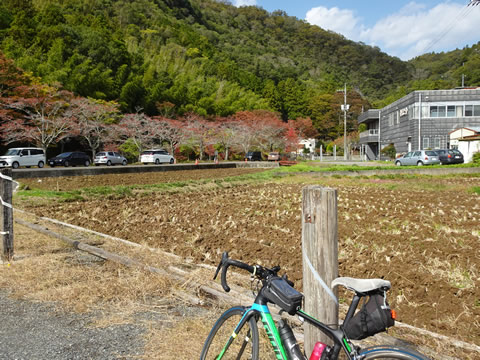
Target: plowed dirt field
x: 420, y: 233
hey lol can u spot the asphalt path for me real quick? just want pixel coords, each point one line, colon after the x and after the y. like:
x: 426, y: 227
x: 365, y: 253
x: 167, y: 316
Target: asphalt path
x: 30, y: 330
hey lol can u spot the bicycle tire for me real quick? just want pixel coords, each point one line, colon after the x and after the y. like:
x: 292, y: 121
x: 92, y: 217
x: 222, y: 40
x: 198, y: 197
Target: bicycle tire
x: 391, y: 352
x: 221, y: 332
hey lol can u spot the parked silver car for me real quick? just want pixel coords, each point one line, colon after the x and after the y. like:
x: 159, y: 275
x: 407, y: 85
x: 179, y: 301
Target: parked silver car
x: 419, y: 158
x: 109, y: 158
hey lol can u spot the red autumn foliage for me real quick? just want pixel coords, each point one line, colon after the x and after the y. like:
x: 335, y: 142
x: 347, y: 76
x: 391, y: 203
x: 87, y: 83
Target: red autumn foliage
x: 43, y: 116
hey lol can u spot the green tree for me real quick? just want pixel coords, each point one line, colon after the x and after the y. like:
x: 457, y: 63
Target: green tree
x: 132, y: 95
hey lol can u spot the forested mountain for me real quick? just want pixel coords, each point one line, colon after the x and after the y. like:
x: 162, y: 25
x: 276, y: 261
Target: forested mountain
x: 171, y: 57
x: 447, y: 68
x: 200, y: 55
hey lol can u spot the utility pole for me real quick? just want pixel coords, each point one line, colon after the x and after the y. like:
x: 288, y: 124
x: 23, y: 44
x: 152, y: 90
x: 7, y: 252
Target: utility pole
x: 345, y: 108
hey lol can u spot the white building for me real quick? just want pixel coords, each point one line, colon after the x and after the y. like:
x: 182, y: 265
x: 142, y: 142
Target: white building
x: 307, y: 144
x: 466, y: 140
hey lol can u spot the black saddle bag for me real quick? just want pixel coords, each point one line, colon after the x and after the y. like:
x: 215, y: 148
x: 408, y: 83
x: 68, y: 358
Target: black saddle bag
x: 375, y: 316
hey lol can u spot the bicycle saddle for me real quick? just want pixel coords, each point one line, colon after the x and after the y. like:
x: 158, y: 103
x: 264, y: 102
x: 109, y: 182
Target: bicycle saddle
x: 362, y: 285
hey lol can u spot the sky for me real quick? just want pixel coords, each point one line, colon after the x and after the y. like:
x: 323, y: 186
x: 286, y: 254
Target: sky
x: 405, y: 29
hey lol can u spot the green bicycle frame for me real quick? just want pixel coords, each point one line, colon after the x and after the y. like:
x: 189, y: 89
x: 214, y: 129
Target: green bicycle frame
x: 271, y: 330
x: 269, y: 326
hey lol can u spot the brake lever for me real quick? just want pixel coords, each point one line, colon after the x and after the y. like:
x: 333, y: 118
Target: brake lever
x: 222, y: 262
x: 275, y: 270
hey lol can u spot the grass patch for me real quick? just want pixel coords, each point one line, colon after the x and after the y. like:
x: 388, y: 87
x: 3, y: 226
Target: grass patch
x: 97, y: 191
x: 476, y: 189
x: 120, y: 191
x: 48, y: 194
x: 167, y: 186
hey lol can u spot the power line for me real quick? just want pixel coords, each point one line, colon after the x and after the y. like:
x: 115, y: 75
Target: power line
x: 463, y: 13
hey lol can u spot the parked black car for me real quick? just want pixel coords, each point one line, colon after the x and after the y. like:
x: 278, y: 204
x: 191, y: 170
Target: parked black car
x: 70, y: 159
x: 253, y: 156
x: 450, y: 156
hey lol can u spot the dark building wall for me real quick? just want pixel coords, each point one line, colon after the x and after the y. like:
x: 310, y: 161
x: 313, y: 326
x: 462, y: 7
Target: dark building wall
x: 400, y: 120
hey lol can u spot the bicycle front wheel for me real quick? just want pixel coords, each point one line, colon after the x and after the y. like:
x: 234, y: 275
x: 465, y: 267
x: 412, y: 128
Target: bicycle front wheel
x: 391, y: 352
x: 223, y: 343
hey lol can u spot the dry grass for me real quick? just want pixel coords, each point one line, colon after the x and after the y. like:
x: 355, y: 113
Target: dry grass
x: 45, y: 269
x: 182, y: 339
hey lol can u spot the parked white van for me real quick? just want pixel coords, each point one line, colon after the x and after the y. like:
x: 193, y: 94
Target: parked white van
x: 16, y: 157
x: 156, y: 156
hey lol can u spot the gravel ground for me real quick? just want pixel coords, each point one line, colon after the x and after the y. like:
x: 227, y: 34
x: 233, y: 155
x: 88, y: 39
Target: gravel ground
x: 36, y: 331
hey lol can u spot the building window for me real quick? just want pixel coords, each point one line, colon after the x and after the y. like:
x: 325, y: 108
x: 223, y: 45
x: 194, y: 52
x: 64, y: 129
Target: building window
x: 426, y: 143
x: 476, y: 110
x: 443, y: 111
x: 437, y: 111
x: 451, y: 111
x: 468, y: 110
x: 395, y: 118
x: 435, y: 142
x: 472, y: 110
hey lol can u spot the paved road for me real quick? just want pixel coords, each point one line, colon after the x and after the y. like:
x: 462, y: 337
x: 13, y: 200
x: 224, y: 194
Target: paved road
x: 36, y: 331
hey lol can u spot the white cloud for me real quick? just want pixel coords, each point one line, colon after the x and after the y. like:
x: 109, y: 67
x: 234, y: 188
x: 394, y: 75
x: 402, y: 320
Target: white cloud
x: 340, y: 21
x: 239, y: 3
x: 412, y: 31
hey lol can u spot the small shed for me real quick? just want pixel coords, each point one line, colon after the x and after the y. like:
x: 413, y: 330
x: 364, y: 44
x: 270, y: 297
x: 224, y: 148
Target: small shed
x: 307, y: 144
x: 466, y: 140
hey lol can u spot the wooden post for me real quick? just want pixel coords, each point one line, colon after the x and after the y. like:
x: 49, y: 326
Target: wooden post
x: 320, y: 259
x: 7, y: 212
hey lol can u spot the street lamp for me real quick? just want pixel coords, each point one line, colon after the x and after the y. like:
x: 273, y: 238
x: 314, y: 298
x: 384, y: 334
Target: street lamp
x: 345, y: 108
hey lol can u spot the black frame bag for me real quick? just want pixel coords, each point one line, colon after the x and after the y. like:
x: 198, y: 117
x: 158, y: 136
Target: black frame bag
x: 375, y: 316
x: 279, y: 292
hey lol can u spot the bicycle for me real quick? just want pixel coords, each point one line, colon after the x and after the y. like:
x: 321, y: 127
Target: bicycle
x: 231, y: 339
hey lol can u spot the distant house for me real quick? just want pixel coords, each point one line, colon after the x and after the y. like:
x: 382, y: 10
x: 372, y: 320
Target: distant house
x: 461, y: 133
x: 307, y: 144
x: 402, y: 124
x: 466, y: 140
